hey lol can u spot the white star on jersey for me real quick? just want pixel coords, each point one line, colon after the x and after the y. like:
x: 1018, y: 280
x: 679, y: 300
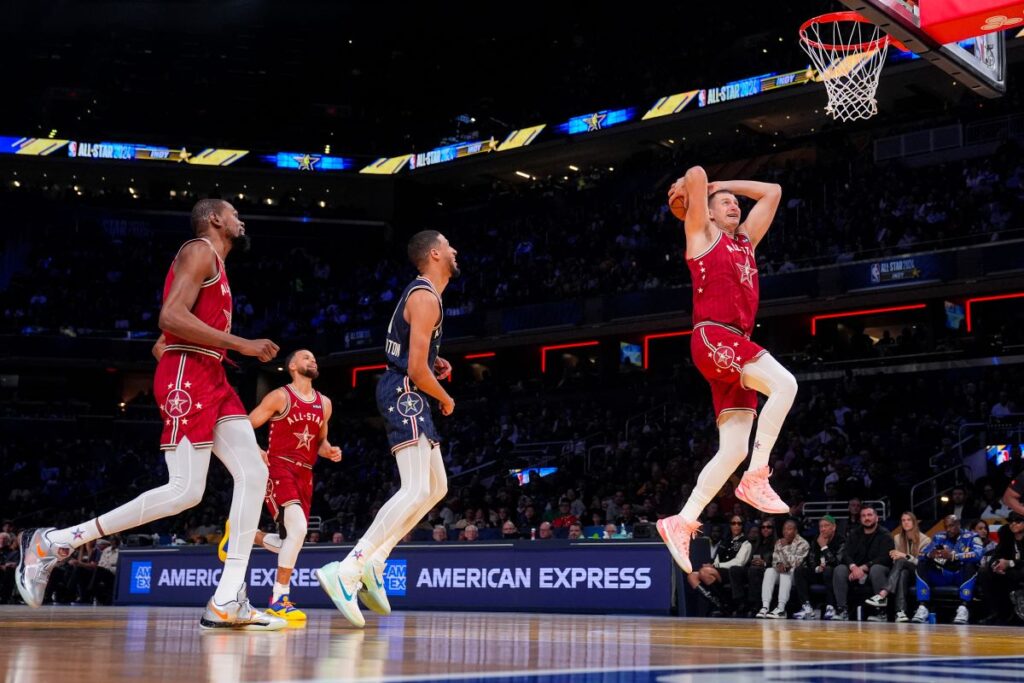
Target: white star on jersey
x: 304, y: 437
x: 746, y: 274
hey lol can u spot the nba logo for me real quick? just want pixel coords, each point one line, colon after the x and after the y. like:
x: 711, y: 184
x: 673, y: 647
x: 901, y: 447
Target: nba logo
x: 141, y: 573
x: 876, y: 273
x: 394, y: 577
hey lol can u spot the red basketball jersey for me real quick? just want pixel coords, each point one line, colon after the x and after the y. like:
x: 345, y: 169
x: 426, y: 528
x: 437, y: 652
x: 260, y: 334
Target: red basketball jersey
x: 294, y: 433
x: 725, y: 287
x: 212, y: 306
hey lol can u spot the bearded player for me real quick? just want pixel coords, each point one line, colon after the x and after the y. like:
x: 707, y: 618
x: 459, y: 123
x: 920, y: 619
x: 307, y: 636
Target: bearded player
x: 201, y: 413
x: 298, y: 415
x: 720, y: 255
x: 413, y: 373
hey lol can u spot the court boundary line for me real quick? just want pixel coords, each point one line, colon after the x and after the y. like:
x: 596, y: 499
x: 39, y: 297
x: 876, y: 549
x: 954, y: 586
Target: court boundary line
x: 679, y: 668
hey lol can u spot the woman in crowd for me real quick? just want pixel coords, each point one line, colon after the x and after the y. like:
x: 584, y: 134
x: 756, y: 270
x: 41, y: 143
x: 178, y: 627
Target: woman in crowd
x: 910, y: 542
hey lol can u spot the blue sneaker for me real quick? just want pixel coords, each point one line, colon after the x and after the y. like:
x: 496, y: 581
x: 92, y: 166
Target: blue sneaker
x: 286, y: 609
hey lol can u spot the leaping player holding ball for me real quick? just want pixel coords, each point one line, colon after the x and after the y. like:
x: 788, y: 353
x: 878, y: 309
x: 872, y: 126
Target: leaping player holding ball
x: 720, y: 255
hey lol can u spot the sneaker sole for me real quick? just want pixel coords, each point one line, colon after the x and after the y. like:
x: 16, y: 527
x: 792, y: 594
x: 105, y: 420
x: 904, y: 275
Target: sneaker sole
x: 372, y: 602
x: 683, y: 564
x: 208, y: 625
x: 768, y: 510
x: 329, y: 587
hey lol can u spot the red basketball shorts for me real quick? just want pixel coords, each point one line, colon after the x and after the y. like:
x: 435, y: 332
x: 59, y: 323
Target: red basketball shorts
x: 193, y: 393
x: 720, y: 352
x: 288, y: 484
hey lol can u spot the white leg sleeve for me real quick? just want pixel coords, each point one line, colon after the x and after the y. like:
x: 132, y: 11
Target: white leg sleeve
x: 186, y: 469
x: 767, y: 376
x: 234, y: 443
x: 438, y: 491
x: 733, y: 438
x: 295, y: 525
x: 414, y: 474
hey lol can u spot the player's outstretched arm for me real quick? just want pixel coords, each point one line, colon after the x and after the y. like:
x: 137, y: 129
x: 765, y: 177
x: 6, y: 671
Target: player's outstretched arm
x: 194, y: 264
x: 326, y: 450
x: 424, y: 310
x: 767, y: 196
x: 274, y: 403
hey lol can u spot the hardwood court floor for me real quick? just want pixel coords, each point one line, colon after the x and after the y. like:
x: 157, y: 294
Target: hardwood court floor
x: 150, y: 644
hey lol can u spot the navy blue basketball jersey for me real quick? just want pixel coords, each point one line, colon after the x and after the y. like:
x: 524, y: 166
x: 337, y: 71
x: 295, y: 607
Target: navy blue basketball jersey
x: 396, y: 344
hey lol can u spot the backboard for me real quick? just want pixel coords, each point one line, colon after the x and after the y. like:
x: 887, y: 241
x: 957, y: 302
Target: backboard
x: 977, y: 62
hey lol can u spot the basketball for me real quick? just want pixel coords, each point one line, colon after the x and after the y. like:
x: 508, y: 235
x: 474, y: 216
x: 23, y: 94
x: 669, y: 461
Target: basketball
x: 678, y: 206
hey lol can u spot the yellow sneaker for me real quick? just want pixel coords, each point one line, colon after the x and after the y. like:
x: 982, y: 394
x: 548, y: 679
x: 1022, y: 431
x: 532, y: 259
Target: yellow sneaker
x: 286, y: 609
x: 222, y: 547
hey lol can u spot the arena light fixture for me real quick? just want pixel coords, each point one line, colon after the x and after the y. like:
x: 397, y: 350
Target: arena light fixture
x: 575, y: 345
x: 364, y: 368
x: 863, y: 311
x: 980, y: 299
x: 660, y: 335
x: 523, y: 175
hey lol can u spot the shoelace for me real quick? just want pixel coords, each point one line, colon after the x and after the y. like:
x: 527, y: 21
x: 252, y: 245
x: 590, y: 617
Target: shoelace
x: 288, y: 604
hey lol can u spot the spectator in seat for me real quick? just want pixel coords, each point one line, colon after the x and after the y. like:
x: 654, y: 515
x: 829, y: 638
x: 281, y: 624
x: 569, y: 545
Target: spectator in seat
x: 865, y: 556
x: 102, y: 586
x: 746, y: 581
x: 440, y: 534
x: 575, y: 532
x: 509, y: 532
x: 544, y: 532
x: 565, y: 517
x: 960, y: 505
x: 734, y: 552
x: 1002, y: 582
x: 471, y: 533
x: 951, y: 559
x: 790, y: 552
x: 819, y: 567
x: 909, y: 545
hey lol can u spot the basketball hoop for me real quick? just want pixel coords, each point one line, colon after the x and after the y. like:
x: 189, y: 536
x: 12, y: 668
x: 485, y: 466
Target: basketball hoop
x: 848, y: 52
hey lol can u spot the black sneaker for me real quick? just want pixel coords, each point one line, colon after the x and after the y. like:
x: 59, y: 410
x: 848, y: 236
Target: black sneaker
x: 841, y: 615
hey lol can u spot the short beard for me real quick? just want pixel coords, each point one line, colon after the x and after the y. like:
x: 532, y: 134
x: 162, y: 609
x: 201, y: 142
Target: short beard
x: 454, y: 272
x: 309, y: 373
x: 241, y: 243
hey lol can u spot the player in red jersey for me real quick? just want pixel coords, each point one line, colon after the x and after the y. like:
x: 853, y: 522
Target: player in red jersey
x: 720, y: 255
x: 298, y: 416
x: 201, y: 413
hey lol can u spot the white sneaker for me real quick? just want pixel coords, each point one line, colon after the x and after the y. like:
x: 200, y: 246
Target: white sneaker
x: 375, y: 598
x: 38, y: 559
x: 239, y: 615
x: 921, y: 615
x: 901, y: 617
x: 762, y: 614
x: 755, y: 490
x: 830, y: 613
x: 962, y: 615
x: 777, y: 613
x: 342, y: 589
x: 806, y: 612
x: 877, y: 601
x: 878, y: 616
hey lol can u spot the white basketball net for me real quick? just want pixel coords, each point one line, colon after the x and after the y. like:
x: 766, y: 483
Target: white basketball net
x: 848, y: 56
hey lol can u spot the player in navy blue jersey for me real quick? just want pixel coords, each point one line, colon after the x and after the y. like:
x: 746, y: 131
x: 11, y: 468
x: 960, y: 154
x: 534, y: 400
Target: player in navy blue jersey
x: 404, y: 392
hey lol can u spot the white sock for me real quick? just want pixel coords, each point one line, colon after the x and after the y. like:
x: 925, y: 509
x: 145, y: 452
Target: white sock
x: 186, y: 469
x: 438, y: 490
x: 767, y: 376
x: 414, y: 474
x: 733, y: 437
x: 279, y: 590
x: 234, y: 443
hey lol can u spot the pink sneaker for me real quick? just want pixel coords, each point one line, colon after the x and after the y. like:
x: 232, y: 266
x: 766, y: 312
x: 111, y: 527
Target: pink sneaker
x: 755, y: 490
x: 677, y: 531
